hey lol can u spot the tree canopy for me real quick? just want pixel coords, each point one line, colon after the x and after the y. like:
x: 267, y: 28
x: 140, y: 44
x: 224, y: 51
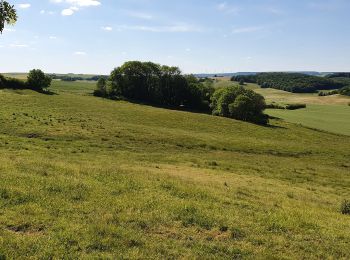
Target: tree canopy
x: 37, y: 80
x: 239, y: 103
x: 292, y: 82
x: 156, y: 84
x: 8, y: 14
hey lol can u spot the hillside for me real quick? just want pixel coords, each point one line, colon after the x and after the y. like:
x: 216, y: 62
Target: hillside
x: 93, y: 178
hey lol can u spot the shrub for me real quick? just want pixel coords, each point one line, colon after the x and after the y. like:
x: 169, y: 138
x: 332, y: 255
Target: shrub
x: 345, y: 207
x: 239, y: 103
x: 37, y: 80
x: 275, y: 106
x: 295, y: 106
x: 11, y: 83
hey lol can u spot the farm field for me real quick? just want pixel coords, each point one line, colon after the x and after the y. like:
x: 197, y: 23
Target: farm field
x: 331, y: 118
x: 328, y: 113
x: 84, y: 177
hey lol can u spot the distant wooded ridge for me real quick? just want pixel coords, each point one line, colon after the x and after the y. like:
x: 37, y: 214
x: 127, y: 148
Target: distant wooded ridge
x: 295, y: 82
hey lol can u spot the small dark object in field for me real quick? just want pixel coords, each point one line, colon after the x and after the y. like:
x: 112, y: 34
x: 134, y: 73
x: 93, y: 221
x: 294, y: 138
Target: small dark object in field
x: 213, y: 163
x: 295, y: 106
x: 345, y: 207
x: 223, y: 228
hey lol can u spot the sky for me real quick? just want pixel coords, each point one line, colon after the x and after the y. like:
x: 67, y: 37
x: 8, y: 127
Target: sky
x: 199, y: 36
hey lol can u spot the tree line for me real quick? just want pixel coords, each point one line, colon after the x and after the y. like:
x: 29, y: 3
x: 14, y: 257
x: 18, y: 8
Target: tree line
x: 162, y: 85
x: 36, y: 80
x: 76, y: 78
x: 291, y: 82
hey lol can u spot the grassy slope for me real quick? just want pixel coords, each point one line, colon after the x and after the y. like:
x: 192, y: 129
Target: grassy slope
x: 87, y: 177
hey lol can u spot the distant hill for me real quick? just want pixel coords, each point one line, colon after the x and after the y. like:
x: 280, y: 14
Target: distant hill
x: 291, y: 82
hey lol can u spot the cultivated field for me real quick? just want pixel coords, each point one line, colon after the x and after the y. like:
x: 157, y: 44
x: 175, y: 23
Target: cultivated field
x: 93, y: 178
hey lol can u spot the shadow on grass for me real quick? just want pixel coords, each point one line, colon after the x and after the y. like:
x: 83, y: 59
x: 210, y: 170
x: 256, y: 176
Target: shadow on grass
x: 204, y: 111
x: 46, y: 92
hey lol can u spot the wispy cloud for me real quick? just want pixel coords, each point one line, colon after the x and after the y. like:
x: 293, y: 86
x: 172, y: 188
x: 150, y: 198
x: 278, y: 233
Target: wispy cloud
x: 24, y: 6
x: 181, y: 28
x: 227, y: 8
x: 67, y: 12
x: 139, y: 15
x: 106, y: 28
x: 17, y: 45
x: 75, y: 5
x: 80, y: 53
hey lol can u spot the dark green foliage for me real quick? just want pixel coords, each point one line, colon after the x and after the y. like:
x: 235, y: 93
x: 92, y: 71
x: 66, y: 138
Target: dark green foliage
x: 8, y: 14
x: 292, y: 82
x: 37, y: 80
x: 76, y: 78
x: 345, y: 207
x: 11, y: 83
x: 155, y: 84
x: 295, y: 106
x: 239, y: 103
x: 345, y: 91
x: 101, y: 88
x: 339, y: 75
x: 275, y: 106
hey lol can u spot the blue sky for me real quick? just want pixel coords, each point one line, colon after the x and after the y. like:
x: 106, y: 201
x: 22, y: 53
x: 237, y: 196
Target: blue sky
x: 94, y: 36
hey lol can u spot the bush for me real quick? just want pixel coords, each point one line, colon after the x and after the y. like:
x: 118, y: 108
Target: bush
x: 11, y: 83
x: 239, y: 103
x: 295, y: 106
x: 37, y: 80
x: 275, y: 106
x: 345, y: 207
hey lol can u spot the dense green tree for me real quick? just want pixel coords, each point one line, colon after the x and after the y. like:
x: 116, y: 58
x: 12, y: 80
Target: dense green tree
x: 239, y: 103
x: 37, y: 80
x: 101, y: 88
x: 8, y: 14
x: 156, y: 84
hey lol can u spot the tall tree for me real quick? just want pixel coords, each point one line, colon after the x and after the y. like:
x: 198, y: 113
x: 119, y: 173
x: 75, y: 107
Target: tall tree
x: 8, y: 14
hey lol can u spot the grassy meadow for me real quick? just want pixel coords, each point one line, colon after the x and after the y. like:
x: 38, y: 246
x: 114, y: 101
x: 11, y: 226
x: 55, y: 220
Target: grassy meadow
x: 84, y: 177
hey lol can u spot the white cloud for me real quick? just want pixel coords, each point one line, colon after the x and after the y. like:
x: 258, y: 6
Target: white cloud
x: 84, y: 2
x: 227, y: 8
x: 17, y: 45
x: 107, y: 28
x: 80, y: 53
x: 52, y: 37
x: 159, y: 29
x: 67, y: 12
x: 75, y: 5
x: 24, y: 6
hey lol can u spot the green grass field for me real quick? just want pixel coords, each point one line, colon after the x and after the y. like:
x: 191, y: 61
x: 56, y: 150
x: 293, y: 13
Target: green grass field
x: 328, y: 113
x: 84, y: 177
x: 332, y: 118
